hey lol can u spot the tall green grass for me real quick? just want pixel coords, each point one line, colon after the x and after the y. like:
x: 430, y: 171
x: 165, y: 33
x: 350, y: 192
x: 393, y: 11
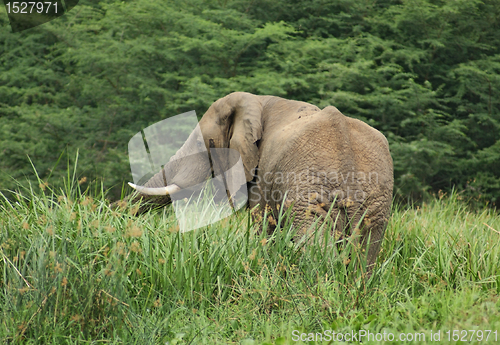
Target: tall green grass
x: 72, y: 270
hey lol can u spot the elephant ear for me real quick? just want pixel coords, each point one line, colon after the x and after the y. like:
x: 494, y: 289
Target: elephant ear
x: 246, y: 129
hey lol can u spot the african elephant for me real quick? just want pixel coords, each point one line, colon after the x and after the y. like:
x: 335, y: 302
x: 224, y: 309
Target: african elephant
x: 318, y: 162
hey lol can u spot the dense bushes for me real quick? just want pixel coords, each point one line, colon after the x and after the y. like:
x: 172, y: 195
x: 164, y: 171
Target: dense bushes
x: 424, y: 72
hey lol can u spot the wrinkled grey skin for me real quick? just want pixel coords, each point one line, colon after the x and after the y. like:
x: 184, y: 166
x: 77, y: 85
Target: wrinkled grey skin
x: 320, y: 159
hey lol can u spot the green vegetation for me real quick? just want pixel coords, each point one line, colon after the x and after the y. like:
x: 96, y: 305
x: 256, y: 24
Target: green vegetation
x: 424, y: 72
x: 74, y: 271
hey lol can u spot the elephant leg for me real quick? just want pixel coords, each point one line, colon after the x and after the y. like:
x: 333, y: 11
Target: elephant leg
x: 263, y: 215
x: 260, y: 208
x: 346, y: 222
x: 373, y: 230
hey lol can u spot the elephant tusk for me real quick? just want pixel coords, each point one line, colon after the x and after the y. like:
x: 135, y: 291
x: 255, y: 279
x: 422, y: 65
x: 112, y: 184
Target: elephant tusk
x: 168, y: 190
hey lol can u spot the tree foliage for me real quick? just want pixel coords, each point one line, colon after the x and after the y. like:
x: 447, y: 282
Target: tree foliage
x: 424, y: 72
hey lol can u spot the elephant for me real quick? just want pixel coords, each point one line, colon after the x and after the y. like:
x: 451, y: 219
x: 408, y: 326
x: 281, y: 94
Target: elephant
x: 319, y: 163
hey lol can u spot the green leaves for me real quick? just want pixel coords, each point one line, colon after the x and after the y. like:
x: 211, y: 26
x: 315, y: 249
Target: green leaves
x: 425, y: 73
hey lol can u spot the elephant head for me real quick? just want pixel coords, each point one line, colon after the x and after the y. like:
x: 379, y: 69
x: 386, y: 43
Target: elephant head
x: 234, y: 122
